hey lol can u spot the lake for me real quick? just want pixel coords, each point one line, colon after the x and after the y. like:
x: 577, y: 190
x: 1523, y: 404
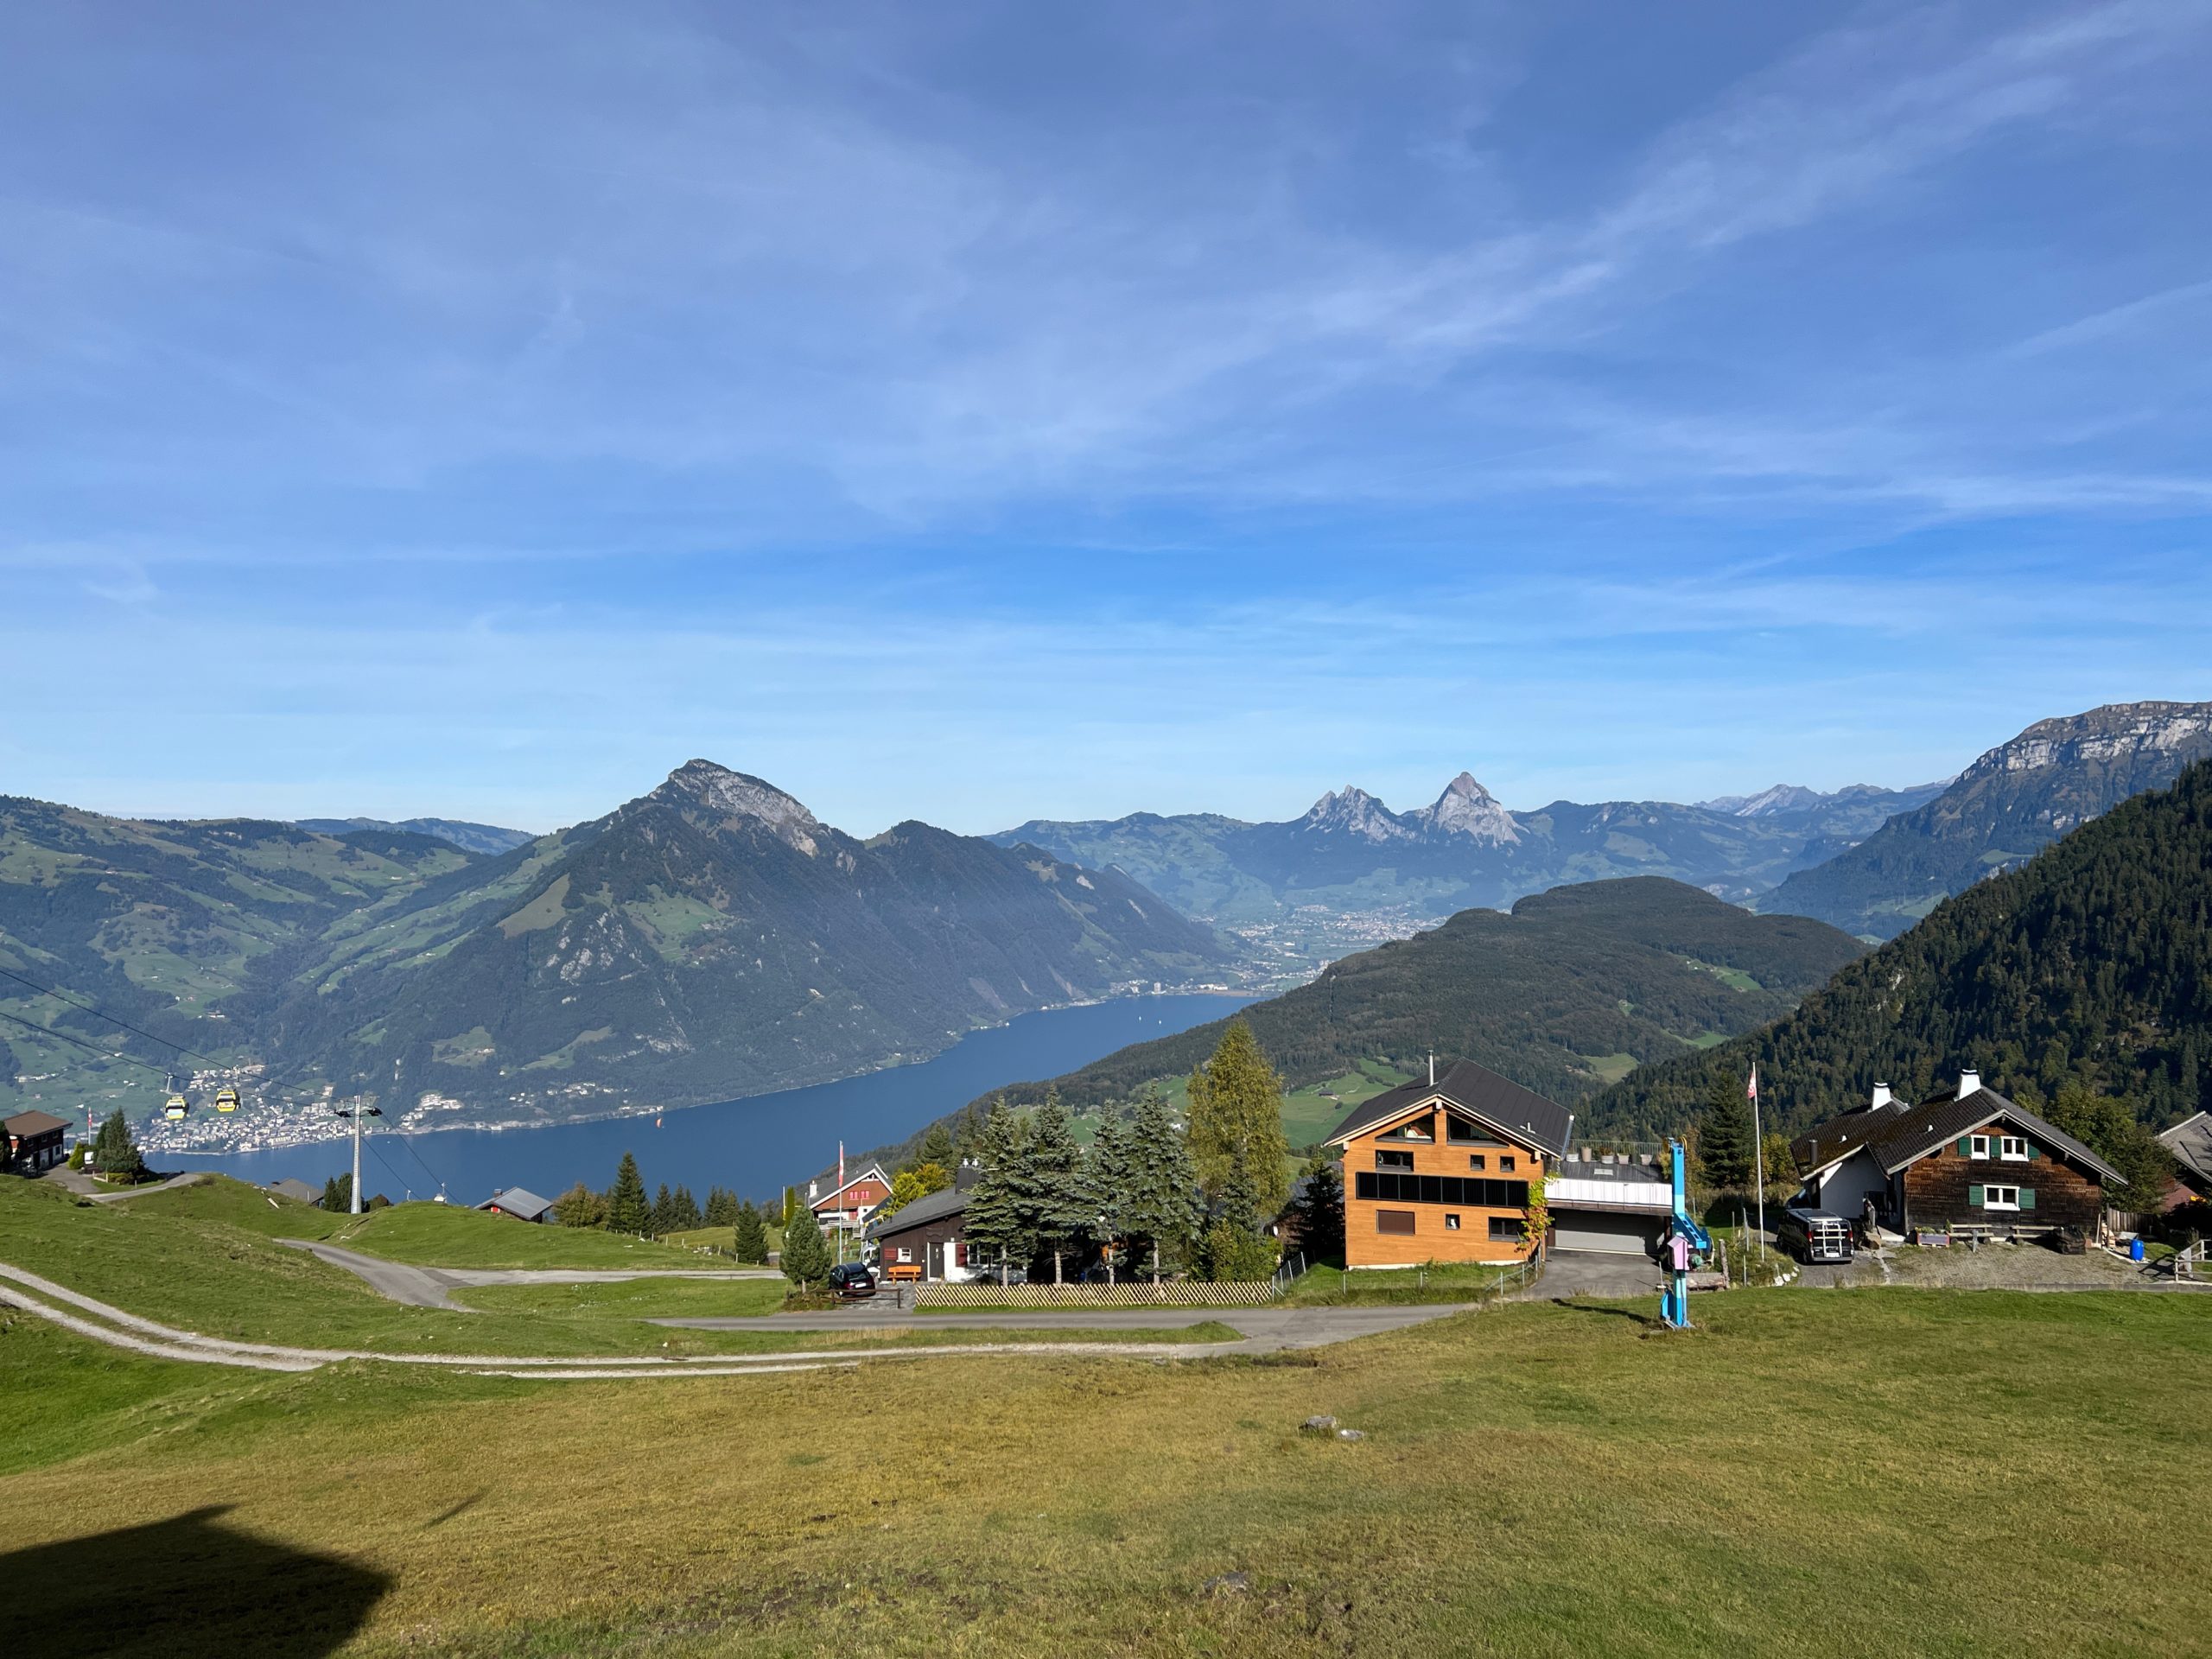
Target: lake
x: 756, y: 1147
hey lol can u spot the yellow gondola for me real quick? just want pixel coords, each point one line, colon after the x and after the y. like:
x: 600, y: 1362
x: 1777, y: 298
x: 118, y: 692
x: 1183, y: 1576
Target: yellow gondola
x: 227, y: 1099
x: 174, y: 1109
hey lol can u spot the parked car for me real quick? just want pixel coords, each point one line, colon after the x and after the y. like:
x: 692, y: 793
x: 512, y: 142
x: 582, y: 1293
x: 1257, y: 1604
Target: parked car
x: 852, y: 1279
x: 1814, y: 1236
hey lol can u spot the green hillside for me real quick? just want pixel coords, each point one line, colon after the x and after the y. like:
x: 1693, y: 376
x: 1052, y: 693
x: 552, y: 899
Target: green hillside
x: 2091, y: 964
x: 1559, y: 994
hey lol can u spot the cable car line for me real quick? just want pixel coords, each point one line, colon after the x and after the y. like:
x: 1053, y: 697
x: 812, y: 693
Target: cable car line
x: 88, y: 1007
x: 89, y: 1047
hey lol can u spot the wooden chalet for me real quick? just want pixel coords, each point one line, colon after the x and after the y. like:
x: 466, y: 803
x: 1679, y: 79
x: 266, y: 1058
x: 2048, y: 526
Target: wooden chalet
x: 30, y: 1142
x: 843, y: 1204
x: 1966, y: 1160
x: 1440, y: 1171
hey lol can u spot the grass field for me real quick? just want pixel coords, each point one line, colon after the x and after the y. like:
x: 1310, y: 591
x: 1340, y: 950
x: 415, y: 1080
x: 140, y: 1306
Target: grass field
x: 1958, y: 1474
x: 443, y: 1235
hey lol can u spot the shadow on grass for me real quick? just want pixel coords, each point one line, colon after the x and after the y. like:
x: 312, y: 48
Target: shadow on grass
x: 1628, y: 1313
x: 184, y: 1586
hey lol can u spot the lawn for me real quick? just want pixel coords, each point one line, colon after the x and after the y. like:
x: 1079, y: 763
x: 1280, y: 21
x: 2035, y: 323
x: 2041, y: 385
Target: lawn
x: 443, y: 1235
x: 1958, y: 1474
x: 1455, y: 1281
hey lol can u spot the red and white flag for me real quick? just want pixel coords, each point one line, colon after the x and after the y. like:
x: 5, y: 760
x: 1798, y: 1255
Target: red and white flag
x: 1752, y: 1092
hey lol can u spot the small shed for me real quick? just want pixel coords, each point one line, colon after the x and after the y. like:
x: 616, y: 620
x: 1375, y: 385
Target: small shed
x: 299, y: 1191
x: 520, y: 1203
x: 32, y: 1141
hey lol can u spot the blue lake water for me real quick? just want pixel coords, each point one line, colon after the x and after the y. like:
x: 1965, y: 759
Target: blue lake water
x: 755, y: 1146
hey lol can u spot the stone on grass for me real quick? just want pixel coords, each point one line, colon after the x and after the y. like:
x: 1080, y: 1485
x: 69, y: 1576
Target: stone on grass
x: 1227, y: 1584
x: 1349, y: 1434
x: 1319, y: 1426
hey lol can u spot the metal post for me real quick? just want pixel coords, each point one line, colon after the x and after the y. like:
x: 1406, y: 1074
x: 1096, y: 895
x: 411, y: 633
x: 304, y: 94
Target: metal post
x: 357, y: 1156
x: 1758, y: 1155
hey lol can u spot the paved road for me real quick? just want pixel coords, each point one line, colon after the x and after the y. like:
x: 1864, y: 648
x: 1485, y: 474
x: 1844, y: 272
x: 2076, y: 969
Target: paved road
x: 75, y: 1180
x: 428, y: 1286
x: 1592, y: 1273
x: 1261, y: 1330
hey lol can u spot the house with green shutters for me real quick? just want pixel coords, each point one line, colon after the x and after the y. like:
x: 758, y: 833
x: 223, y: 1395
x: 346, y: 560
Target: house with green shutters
x: 1966, y: 1160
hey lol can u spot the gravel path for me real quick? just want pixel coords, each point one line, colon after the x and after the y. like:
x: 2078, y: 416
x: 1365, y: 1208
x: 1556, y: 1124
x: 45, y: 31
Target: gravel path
x: 428, y: 1286
x: 1993, y: 1267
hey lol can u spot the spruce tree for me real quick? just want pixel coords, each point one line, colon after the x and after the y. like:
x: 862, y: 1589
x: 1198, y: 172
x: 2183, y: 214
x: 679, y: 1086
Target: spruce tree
x: 1108, y: 1169
x: 1319, y: 1211
x: 1724, y: 1136
x: 996, y: 1220
x: 749, y: 1237
x: 627, y: 1209
x: 721, y: 1207
x: 937, y: 1148
x: 1061, y: 1208
x: 1236, y: 1111
x: 334, y: 1197
x: 114, y: 1150
x: 1159, y: 1205
x: 663, y: 1218
x: 686, y: 1211
x: 806, y: 1254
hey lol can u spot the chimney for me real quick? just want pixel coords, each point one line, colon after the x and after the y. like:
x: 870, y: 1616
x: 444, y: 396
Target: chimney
x: 1882, y: 1095
x: 1431, y: 1068
x: 1969, y: 1081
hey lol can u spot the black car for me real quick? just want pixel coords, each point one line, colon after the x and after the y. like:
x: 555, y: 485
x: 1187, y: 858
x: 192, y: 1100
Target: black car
x: 852, y: 1279
x: 1814, y: 1236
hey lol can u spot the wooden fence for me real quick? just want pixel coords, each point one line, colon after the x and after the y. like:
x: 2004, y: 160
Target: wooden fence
x: 1180, y: 1293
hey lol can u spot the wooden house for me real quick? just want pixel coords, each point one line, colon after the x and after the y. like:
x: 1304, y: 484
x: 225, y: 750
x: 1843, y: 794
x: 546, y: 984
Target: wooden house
x: 842, y: 1203
x: 30, y: 1142
x: 1439, y: 1170
x: 519, y: 1202
x: 1964, y: 1161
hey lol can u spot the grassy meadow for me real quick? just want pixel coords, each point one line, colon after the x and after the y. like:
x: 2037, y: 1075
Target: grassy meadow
x: 1810, y: 1472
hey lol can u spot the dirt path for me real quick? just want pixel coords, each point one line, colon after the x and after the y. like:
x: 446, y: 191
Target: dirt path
x: 431, y: 1287
x: 1274, y: 1328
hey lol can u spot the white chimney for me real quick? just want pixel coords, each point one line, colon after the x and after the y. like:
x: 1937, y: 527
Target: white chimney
x: 1432, y: 1068
x: 1882, y: 1095
x: 1969, y: 1082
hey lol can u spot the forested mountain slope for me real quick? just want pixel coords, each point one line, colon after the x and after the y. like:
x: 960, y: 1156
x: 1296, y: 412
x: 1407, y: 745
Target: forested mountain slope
x: 1569, y: 984
x: 2092, y: 963
x: 2013, y: 801
x: 487, y: 838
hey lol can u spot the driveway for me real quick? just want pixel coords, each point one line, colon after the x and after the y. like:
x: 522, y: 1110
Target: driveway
x: 428, y: 1286
x: 1593, y: 1273
x: 75, y: 1180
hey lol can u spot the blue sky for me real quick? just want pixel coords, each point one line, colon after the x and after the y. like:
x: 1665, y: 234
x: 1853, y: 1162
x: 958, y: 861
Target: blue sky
x: 980, y: 412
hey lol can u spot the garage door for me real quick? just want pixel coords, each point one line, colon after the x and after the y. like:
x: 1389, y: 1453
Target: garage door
x: 1597, y: 1229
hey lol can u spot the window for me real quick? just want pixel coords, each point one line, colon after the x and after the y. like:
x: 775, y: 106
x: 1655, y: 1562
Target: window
x: 906, y: 1253
x: 1508, y: 1227
x: 1386, y: 1159
x: 959, y: 1253
x: 2000, y: 1198
x: 1476, y: 1161
x: 1978, y: 1146
x: 2013, y: 1149
x: 1418, y: 1129
x: 1451, y: 1224
x: 1398, y: 1222
x: 1505, y: 1165
x: 1469, y: 1192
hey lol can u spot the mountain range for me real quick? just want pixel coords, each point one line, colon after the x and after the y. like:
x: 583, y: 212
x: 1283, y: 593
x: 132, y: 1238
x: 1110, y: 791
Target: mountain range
x: 2009, y: 804
x: 2089, y: 964
x: 487, y: 838
x: 711, y: 939
x: 1296, y: 890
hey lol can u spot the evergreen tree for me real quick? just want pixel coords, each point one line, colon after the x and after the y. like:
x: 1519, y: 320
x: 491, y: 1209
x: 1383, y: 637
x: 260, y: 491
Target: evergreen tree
x: 338, y: 1194
x: 1236, y: 1247
x: 1237, y: 1113
x: 806, y: 1254
x: 2114, y: 1129
x: 1160, y: 1204
x: 663, y: 1217
x: 627, y: 1209
x: 1724, y: 1136
x: 114, y: 1150
x: 938, y: 1148
x: 1062, y: 1208
x: 1319, y: 1211
x: 686, y: 1211
x: 997, y: 1219
x: 1108, y: 1169
x: 580, y: 1207
x: 750, y: 1238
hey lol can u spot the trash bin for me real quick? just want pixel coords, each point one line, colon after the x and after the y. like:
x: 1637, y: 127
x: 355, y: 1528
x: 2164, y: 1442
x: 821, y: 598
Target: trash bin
x: 2135, y: 1250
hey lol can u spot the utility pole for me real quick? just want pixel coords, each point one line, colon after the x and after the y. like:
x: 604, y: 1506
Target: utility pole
x: 1758, y: 1155
x: 356, y: 1114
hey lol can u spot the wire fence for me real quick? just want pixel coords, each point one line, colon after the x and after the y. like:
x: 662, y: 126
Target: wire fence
x: 1172, y: 1294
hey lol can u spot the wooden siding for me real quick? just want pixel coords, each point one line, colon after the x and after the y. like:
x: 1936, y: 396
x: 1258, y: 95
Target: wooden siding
x: 925, y: 1240
x: 1938, y: 1190
x: 1431, y: 1240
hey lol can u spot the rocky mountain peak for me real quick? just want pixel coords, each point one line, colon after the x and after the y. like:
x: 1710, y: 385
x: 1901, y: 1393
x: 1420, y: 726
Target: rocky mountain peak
x: 737, y: 795
x: 2119, y: 731
x: 1352, y: 810
x: 1466, y: 808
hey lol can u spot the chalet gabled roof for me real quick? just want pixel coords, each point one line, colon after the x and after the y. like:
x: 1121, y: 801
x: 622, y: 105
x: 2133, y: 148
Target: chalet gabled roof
x: 828, y: 1188
x: 930, y: 1207
x: 24, y: 1125
x: 1499, y: 1102
x: 518, y: 1201
x: 2191, y: 1142
x: 1898, y: 1133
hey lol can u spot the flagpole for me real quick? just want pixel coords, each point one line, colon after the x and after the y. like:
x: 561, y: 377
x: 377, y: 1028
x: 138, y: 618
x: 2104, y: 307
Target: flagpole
x: 1759, y: 1155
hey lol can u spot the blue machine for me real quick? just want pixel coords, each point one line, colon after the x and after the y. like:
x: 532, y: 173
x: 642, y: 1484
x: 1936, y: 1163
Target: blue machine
x: 1685, y: 1239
